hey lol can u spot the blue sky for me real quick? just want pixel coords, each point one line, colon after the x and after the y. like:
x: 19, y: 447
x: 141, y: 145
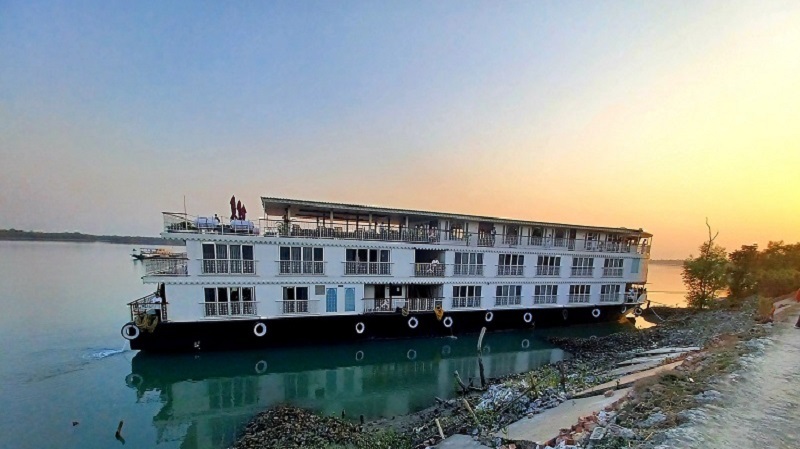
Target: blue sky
x: 111, y: 112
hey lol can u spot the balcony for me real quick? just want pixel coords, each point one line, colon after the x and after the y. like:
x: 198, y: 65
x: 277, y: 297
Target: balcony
x: 228, y: 266
x: 467, y: 270
x: 609, y: 272
x: 388, y: 305
x: 545, y: 299
x: 510, y: 270
x: 298, y: 306
x: 467, y: 302
x: 166, y: 267
x: 368, y: 268
x: 548, y: 270
x: 146, y: 304
x: 434, y: 269
x: 301, y: 267
x: 582, y: 272
x: 229, y: 308
x: 178, y: 222
x: 508, y: 301
x: 579, y: 298
x: 611, y: 297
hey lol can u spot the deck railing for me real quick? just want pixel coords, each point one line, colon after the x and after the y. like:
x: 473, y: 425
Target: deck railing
x: 434, y: 269
x: 368, y: 268
x: 545, y: 299
x: 467, y: 270
x: 229, y: 308
x: 548, y: 270
x: 181, y: 222
x: 508, y: 301
x: 581, y: 271
x: 166, y: 267
x: 510, y: 270
x: 609, y: 272
x: 145, y: 304
x: 467, y: 302
x: 228, y: 266
x: 386, y: 305
x: 299, y: 306
x: 301, y: 267
x: 579, y: 298
x: 611, y: 297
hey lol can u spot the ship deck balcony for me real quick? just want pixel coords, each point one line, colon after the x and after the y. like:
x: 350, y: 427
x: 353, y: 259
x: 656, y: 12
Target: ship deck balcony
x: 223, y: 309
x: 390, y: 305
x: 508, y: 301
x: 166, y: 267
x: 434, y: 269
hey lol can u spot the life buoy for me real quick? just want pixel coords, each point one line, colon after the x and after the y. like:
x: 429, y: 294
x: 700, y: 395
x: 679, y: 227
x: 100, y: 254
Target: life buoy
x: 360, y: 328
x: 527, y: 317
x: 526, y: 344
x: 129, y: 332
x: 596, y: 313
x: 564, y: 314
x: 413, y: 322
x: 359, y: 356
x: 489, y: 316
x: 637, y: 311
x: 260, y: 329
x: 261, y: 367
x: 624, y: 309
x: 133, y: 380
x: 448, y: 322
x: 411, y: 354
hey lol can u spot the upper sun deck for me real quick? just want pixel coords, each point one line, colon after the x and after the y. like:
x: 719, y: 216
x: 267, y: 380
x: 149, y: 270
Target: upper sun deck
x: 323, y: 220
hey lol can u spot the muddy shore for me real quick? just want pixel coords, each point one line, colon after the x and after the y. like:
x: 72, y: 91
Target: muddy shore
x: 653, y: 404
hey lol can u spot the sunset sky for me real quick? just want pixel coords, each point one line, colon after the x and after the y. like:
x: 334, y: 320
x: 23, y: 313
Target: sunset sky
x: 651, y: 114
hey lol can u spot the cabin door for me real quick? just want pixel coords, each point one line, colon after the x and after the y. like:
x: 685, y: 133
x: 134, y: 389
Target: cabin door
x: 331, y: 305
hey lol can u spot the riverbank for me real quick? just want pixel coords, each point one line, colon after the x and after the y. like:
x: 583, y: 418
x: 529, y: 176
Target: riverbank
x: 713, y: 339
x: 77, y: 237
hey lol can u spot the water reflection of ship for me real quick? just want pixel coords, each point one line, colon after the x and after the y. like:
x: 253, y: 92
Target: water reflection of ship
x: 209, y: 396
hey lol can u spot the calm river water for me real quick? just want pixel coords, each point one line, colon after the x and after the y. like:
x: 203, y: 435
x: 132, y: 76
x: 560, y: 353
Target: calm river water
x: 63, y: 361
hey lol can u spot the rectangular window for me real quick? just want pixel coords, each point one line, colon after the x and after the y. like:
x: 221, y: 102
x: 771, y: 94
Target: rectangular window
x: 579, y: 293
x: 545, y: 294
x: 635, y: 266
x: 612, y: 268
x: 468, y: 264
x: 363, y: 261
x: 466, y: 296
x: 301, y: 260
x: 295, y: 300
x: 220, y: 258
x: 510, y: 264
x: 229, y: 301
x: 582, y: 266
x: 610, y: 293
x: 548, y: 266
x: 508, y: 295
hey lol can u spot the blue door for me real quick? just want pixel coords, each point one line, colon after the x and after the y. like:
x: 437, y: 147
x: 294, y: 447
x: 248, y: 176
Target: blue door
x: 330, y: 300
x: 349, y: 300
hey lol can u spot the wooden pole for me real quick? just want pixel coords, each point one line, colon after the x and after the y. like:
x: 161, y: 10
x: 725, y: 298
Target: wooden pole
x: 439, y: 426
x: 469, y: 409
x: 480, y: 357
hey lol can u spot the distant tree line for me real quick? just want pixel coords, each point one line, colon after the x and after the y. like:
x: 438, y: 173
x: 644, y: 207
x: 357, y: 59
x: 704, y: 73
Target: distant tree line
x: 15, y: 234
x: 770, y: 272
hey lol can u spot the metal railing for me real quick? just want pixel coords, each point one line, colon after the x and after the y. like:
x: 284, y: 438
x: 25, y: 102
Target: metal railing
x: 579, y: 298
x: 467, y: 270
x: 545, y: 299
x: 506, y: 301
x: 301, y: 267
x: 548, y: 270
x: 227, y: 266
x: 369, y: 268
x: 433, y: 269
x: 180, y: 222
x: 229, y: 308
x: 145, y: 304
x: 166, y: 267
x: 609, y: 272
x: 610, y: 297
x: 466, y: 302
x: 384, y: 305
x: 299, y: 306
x: 581, y: 271
x: 510, y: 270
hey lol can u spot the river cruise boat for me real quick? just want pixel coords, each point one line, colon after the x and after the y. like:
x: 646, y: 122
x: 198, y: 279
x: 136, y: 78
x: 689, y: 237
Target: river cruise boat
x: 311, y: 272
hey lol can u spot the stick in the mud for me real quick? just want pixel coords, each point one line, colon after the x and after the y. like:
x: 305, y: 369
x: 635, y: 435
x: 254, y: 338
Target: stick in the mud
x: 460, y: 382
x: 118, y: 435
x: 469, y: 409
x: 439, y: 426
x: 480, y: 358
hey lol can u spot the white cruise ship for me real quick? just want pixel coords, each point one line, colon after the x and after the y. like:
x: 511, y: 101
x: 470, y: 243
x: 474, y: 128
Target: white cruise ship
x: 319, y: 272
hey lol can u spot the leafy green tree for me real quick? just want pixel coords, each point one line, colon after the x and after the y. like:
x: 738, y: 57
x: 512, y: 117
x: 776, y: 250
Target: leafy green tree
x: 706, y: 274
x: 742, y: 271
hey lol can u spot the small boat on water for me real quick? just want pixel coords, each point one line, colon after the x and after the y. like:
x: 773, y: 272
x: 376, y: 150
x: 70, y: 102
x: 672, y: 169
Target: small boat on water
x: 311, y: 272
x: 156, y: 253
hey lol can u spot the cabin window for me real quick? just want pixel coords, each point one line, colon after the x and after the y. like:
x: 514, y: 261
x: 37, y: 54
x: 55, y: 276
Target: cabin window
x: 466, y: 296
x: 368, y: 261
x: 582, y: 266
x: 612, y: 267
x: 508, y: 295
x: 468, y: 264
x: 634, y: 266
x: 510, y: 264
x: 545, y: 294
x: 229, y: 301
x: 610, y: 293
x: 579, y: 293
x: 301, y: 260
x: 295, y: 300
x: 220, y: 258
x: 548, y: 265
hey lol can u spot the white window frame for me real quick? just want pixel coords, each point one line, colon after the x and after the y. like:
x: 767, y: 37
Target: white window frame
x: 545, y: 294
